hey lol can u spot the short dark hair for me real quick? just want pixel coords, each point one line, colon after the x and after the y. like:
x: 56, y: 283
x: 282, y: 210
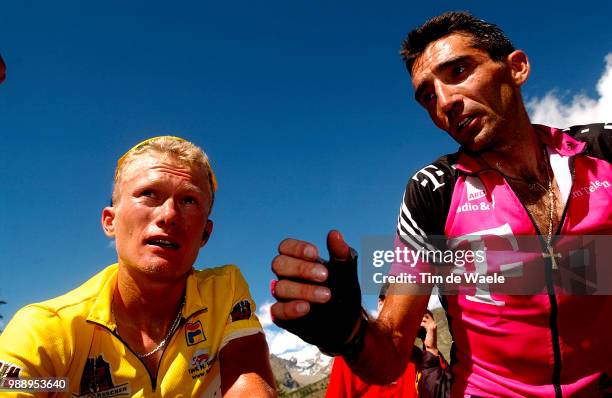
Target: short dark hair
x: 485, y: 36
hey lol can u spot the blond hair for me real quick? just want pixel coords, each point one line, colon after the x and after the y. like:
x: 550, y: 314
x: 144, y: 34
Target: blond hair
x: 167, y: 147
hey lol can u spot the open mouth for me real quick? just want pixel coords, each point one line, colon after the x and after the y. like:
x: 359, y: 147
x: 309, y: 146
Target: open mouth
x: 464, y: 123
x: 166, y: 244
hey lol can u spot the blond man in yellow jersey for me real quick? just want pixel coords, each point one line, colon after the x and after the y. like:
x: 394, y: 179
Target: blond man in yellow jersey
x: 149, y: 325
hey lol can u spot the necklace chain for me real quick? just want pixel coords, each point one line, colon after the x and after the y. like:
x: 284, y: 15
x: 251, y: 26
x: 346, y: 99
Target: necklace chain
x: 532, y: 185
x: 551, y: 201
x: 163, y: 343
x: 549, y: 253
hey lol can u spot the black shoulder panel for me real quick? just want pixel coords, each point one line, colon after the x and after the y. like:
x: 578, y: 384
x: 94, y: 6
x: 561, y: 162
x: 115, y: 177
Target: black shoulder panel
x: 426, y: 202
x: 598, y: 137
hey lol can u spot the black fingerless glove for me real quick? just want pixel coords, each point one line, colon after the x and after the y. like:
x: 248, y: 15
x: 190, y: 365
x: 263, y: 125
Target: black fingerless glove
x: 330, y: 326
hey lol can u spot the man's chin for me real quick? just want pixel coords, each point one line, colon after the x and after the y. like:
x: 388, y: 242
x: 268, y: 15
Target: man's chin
x: 474, y: 148
x: 160, y: 270
x: 480, y: 143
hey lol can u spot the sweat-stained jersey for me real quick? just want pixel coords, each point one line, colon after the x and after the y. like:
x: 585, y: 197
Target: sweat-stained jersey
x: 74, y: 336
x: 549, y: 343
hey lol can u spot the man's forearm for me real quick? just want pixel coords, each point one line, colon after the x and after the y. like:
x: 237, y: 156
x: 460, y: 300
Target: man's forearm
x: 379, y: 361
x: 388, y: 341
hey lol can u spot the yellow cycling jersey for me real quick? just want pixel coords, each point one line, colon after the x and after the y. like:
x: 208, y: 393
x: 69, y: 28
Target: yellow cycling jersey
x: 74, y: 336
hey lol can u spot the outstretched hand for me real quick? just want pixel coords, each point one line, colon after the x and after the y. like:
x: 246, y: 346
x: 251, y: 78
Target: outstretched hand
x: 311, y: 294
x: 302, y: 275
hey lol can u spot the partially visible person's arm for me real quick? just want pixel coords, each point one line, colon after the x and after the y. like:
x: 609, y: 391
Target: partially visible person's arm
x: 431, y: 338
x: 245, y: 368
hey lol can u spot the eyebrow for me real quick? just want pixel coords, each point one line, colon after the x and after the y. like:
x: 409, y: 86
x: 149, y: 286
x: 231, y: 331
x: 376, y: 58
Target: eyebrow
x: 187, y: 186
x: 444, y: 65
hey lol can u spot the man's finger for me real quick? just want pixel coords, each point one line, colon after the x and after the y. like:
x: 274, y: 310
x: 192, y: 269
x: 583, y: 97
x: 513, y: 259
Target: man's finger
x: 338, y: 249
x: 291, y: 267
x: 290, y: 290
x: 290, y: 310
x: 299, y: 249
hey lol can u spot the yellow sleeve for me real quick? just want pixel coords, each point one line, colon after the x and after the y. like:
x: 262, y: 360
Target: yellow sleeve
x: 35, y: 343
x: 241, y: 320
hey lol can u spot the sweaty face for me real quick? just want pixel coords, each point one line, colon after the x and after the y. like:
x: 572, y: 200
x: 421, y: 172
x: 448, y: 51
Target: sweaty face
x: 160, y: 217
x: 465, y: 92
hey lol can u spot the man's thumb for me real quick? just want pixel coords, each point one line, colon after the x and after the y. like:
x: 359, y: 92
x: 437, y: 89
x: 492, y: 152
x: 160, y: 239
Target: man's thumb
x: 337, y: 247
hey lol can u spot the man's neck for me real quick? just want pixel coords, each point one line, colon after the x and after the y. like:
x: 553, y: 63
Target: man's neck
x: 520, y: 155
x: 148, y: 304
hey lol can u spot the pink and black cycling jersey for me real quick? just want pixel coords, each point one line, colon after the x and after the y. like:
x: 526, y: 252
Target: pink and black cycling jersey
x: 546, y: 344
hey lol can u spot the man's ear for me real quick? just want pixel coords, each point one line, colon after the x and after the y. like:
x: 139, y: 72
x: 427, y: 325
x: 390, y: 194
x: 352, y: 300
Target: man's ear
x: 519, y: 66
x: 207, y: 231
x: 108, y: 221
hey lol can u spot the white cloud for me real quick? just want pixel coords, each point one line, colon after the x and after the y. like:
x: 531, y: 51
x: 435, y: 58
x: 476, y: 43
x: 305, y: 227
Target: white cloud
x: 554, y: 111
x: 263, y: 313
x: 111, y: 244
x: 282, y: 341
x: 279, y: 340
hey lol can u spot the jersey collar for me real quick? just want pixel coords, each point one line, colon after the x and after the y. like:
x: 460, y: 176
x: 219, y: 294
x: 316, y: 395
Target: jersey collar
x: 555, y: 139
x: 101, y: 310
x: 101, y: 314
x: 193, y: 299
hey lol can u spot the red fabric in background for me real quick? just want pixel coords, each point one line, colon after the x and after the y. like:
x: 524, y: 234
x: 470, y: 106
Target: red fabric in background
x: 343, y: 383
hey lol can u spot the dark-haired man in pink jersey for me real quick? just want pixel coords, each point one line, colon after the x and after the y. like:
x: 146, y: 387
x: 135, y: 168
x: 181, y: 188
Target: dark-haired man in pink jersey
x: 509, y: 179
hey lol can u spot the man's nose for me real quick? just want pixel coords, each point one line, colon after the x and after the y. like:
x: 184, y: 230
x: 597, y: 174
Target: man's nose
x: 446, y: 97
x: 167, y: 212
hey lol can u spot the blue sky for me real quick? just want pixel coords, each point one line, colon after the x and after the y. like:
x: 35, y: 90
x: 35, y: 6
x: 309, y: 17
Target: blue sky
x: 304, y: 108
